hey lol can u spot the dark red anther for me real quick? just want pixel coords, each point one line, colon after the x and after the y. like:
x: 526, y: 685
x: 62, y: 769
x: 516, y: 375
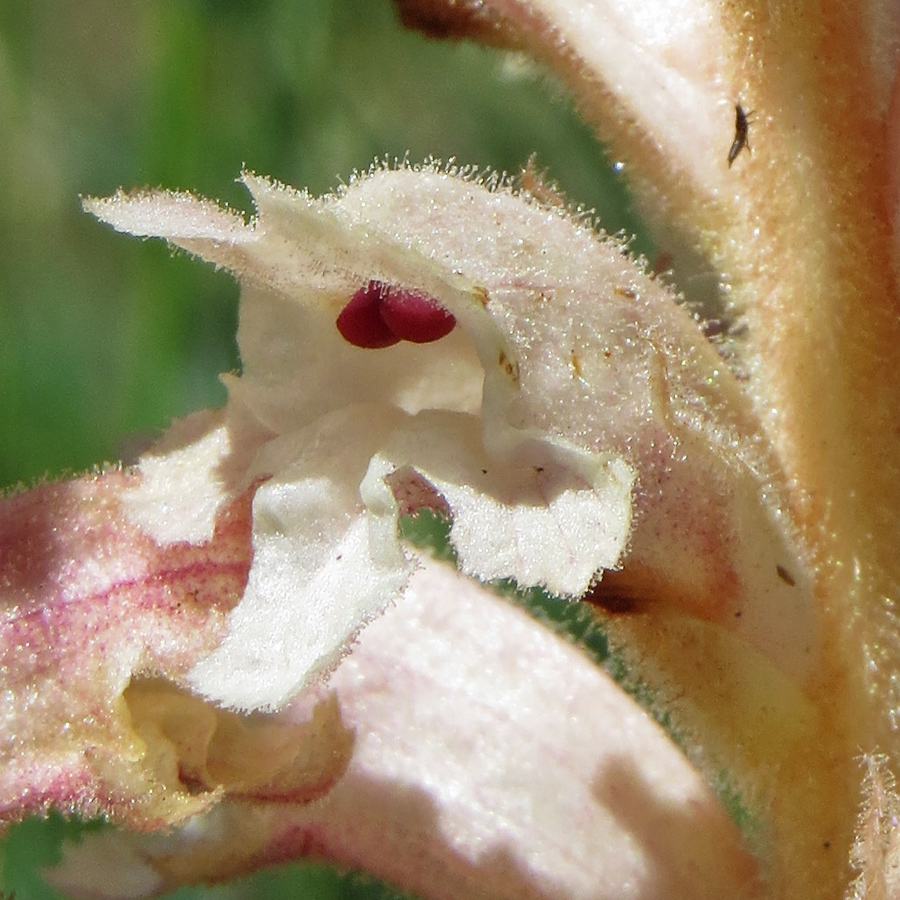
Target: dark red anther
x: 415, y: 317
x: 379, y: 315
x: 360, y: 321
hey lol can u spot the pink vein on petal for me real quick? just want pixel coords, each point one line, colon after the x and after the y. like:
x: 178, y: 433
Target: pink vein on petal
x: 86, y: 602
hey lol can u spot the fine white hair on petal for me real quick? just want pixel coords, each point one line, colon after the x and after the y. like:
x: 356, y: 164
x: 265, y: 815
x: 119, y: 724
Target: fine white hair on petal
x: 168, y: 214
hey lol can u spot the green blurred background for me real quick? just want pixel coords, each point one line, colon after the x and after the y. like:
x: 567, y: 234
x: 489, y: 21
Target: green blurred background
x: 103, y: 340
